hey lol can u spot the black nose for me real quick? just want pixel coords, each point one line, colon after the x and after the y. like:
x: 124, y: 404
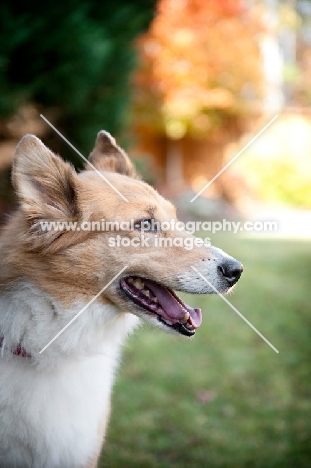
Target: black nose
x: 231, y: 270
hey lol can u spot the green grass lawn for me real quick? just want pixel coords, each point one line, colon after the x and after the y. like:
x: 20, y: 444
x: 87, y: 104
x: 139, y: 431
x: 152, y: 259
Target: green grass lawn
x: 224, y: 398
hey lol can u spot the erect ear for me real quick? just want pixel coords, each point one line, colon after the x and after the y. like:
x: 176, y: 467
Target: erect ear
x: 108, y: 156
x: 45, y: 184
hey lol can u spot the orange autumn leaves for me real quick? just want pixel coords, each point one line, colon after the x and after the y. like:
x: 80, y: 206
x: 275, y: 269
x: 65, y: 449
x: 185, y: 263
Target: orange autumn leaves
x: 199, y: 64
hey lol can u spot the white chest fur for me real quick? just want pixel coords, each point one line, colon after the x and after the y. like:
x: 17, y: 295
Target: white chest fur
x: 52, y: 407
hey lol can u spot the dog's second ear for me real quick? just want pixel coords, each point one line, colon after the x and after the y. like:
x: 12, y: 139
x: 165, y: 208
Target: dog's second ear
x: 108, y: 156
x: 45, y: 184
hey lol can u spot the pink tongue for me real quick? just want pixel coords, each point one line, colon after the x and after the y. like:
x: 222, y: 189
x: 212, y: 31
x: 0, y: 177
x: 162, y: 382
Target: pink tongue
x: 174, y: 310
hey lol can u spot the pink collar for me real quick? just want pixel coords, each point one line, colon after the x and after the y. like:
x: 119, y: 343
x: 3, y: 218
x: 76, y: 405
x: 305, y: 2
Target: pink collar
x: 17, y: 350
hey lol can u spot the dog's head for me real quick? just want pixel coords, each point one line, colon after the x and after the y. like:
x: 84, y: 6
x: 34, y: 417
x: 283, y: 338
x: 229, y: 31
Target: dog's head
x: 77, y: 262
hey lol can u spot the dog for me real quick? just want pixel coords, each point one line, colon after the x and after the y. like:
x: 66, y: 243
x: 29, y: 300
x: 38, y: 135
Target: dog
x: 55, y: 404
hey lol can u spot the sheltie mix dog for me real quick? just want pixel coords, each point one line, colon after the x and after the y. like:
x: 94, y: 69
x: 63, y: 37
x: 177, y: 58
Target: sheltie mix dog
x: 54, y: 405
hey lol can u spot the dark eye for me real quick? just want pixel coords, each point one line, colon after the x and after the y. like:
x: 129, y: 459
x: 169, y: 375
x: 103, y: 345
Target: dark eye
x: 146, y: 225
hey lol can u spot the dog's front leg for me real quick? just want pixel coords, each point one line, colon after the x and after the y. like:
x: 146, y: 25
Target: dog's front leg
x: 101, y: 436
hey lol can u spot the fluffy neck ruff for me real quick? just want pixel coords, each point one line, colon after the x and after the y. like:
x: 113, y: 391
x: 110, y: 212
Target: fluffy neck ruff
x: 29, y: 319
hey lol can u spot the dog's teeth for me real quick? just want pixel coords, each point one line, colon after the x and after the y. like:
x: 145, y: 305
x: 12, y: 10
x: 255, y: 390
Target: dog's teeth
x: 139, y: 284
x: 189, y: 326
x: 185, y: 318
x: 146, y: 292
x: 155, y: 299
x: 130, y: 280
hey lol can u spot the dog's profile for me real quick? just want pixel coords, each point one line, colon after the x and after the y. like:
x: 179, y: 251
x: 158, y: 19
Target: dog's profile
x: 54, y: 405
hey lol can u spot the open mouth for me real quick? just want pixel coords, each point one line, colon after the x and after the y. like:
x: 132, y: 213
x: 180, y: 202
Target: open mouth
x: 163, y: 303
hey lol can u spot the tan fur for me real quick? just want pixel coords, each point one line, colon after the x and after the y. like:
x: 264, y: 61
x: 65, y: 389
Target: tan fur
x: 108, y: 156
x: 51, y: 190
x: 74, y: 266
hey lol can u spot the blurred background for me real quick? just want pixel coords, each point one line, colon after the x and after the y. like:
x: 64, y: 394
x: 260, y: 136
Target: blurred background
x: 184, y: 85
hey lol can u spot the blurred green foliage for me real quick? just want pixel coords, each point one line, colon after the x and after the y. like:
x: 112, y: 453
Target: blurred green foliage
x: 282, y: 181
x: 73, y: 57
x: 277, y: 166
x: 224, y: 398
